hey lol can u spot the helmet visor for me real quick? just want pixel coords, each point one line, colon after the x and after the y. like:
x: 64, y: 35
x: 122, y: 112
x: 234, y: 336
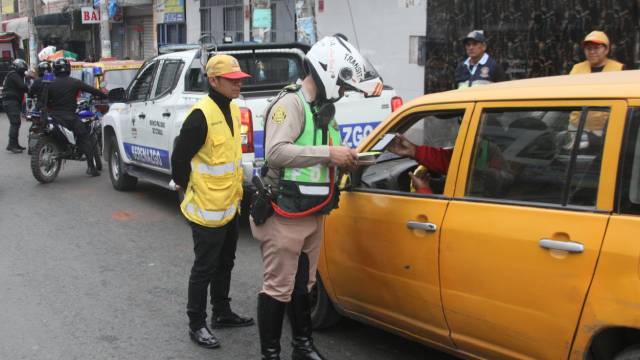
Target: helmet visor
x: 365, y: 80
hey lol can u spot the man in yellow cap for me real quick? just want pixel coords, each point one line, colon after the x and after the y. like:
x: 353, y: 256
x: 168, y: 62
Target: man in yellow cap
x: 596, y: 48
x: 206, y: 164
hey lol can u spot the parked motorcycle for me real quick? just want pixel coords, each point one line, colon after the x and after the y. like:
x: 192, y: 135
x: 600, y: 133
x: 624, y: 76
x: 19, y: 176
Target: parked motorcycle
x: 50, y: 143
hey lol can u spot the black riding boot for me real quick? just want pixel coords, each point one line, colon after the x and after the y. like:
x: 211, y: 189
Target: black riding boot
x: 299, y: 312
x: 270, y: 315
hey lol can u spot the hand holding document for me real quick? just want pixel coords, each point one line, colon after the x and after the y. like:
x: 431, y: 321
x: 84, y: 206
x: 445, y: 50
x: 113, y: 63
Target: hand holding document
x: 367, y: 158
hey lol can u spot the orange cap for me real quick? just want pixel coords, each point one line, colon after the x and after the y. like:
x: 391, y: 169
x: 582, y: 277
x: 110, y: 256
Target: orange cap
x: 225, y: 66
x: 596, y: 37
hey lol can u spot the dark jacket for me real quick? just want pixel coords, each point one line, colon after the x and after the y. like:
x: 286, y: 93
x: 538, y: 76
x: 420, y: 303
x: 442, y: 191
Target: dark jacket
x: 14, y: 87
x: 192, y: 136
x: 63, y: 93
x: 489, y: 72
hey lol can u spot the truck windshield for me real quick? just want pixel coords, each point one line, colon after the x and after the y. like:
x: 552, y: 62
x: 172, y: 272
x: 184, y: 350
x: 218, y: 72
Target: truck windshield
x: 269, y: 71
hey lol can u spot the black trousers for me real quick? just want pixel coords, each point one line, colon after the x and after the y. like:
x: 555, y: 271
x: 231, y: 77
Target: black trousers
x: 215, y: 252
x: 12, y: 108
x: 84, y: 141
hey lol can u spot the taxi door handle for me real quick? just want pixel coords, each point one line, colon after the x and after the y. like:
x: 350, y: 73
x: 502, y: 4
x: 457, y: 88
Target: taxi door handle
x: 570, y: 246
x: 426, y: 226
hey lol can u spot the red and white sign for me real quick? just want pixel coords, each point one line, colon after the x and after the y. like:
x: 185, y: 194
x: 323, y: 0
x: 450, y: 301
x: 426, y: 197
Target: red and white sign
x: 90, y: 15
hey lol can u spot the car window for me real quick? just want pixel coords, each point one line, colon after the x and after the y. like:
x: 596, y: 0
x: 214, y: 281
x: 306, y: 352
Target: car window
x: 267, y: 70
x: 435, y: 134
x: 142, y: 84
x: 119, y: 78
x: 547, y: 156
x: 195, y: 79
x: 629, y: 186
x: 167, y: 77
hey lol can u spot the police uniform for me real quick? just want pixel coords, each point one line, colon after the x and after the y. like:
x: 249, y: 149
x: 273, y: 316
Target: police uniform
x: 207, y: 163
x: 297, y: 155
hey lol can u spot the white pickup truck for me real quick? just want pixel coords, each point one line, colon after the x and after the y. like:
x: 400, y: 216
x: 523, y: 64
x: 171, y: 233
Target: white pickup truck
x: 139, y: 132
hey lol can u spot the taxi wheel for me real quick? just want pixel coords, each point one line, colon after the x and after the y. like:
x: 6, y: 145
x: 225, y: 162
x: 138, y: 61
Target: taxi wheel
x: 630, y: 353
x: 323, y: 314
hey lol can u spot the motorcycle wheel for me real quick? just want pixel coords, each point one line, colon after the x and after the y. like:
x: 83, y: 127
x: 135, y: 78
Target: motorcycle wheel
x: 45, y: 164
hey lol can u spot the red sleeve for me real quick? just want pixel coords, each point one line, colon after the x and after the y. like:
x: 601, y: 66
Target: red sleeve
x: 435, y: 159
x: 424, y: 190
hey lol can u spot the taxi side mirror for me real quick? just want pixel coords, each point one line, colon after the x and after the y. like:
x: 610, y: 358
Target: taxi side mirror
x: 117, y: 95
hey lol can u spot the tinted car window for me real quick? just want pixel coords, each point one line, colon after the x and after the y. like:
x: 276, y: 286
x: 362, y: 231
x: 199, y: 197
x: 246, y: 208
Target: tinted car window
x: 167, y: 77
x: 549, y: 156
x: 142, y: 84
x: 629, y: 190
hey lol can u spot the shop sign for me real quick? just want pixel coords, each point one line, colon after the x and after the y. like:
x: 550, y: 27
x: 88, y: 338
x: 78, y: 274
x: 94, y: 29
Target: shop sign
x: 90, y: 15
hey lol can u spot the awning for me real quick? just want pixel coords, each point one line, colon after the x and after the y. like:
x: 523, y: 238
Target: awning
x: 20, y: 26
x: 52, y: 19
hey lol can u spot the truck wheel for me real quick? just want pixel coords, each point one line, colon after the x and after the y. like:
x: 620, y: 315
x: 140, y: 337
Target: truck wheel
x: 45, y: 164
x: 630, y: 353
x: 323, y: 314
x: 119, y: 179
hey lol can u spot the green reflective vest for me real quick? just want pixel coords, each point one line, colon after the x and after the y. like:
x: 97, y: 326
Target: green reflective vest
x: 303, y: 188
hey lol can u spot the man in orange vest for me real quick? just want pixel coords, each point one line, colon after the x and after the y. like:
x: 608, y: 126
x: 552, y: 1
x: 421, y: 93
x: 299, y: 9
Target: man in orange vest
x: 596, y: 48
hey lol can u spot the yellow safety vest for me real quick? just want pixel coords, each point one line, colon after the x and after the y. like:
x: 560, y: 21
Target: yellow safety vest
x: 585, y: 68
x: 213, y: 196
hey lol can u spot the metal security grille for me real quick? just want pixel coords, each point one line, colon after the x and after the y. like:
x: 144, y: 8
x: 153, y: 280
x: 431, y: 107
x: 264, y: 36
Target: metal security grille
x: 530, y: 38
x: 222, y: 17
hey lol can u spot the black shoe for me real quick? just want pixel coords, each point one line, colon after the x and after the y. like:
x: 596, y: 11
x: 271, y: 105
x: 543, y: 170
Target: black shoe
x: 21, y: 147
x: 204, y: 338
x: 14, y: 149
x: 270, y: 315
x: 299, y: 313
x: 93, y: 172
x: 230, y: 320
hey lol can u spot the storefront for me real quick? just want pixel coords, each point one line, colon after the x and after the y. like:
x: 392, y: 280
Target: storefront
x: 66, y: 31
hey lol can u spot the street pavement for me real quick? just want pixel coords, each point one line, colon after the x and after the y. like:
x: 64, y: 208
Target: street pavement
x: 87, y: 272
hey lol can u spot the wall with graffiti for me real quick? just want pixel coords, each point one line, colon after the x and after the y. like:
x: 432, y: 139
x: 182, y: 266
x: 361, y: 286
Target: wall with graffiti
x: 530, y: 38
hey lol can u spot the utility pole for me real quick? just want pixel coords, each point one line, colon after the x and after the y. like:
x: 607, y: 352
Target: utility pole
x: 33, y: 40
x: 105, y: 36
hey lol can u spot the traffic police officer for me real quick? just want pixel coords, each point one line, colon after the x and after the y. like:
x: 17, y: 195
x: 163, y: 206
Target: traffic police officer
x: 302, y: 147
x: 479, y: 68
x: 13, y: 91
x: 206, y: 162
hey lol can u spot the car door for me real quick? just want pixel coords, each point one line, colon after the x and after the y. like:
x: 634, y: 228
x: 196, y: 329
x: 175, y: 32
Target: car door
x: 135, y: 131
x: 522, y: 235
x: 160, y: 114
x: 382, y: 243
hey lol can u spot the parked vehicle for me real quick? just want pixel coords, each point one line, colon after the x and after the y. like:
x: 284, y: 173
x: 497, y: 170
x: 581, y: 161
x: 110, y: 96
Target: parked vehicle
x: 527, y: 247
x: 140, y: 130
x: 50, y: 143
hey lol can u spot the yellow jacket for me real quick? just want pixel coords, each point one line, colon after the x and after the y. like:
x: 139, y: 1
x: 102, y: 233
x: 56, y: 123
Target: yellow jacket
x: 213, y: 195
x: 585, y: 68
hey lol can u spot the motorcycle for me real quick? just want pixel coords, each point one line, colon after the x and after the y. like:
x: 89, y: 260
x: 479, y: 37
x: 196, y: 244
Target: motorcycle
x: 50, y: 143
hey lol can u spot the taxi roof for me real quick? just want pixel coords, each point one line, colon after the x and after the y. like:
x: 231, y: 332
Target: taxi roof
x: 606, y: 85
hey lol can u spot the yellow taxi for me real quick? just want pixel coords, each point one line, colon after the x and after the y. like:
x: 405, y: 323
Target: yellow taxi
x: 525, y: 243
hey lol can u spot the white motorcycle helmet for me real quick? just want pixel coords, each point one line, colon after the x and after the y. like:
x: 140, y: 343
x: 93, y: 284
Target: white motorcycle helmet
x: 334, y: 62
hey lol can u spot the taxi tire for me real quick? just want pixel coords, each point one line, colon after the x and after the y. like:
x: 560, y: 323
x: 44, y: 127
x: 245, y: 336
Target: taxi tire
x: 630, y: 353
x: 323, y: 313
x: 119, y: 179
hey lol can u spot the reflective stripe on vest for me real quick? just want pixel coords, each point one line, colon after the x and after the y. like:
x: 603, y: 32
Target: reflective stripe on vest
x: 314, y: 190
x: 210, y: 215
x: 217, y: 169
